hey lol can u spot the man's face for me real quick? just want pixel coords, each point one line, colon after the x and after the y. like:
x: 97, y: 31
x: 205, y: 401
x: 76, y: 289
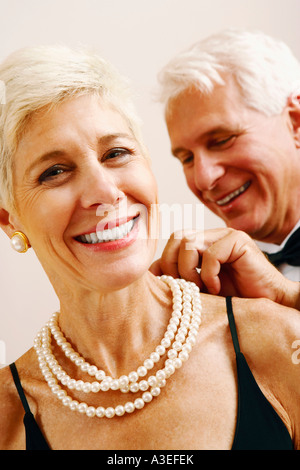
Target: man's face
x: 243, y: 165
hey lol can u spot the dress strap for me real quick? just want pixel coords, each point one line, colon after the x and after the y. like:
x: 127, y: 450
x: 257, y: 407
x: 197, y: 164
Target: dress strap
x: 232, y: 325
x: 34, y: 436
x: 19, y: 387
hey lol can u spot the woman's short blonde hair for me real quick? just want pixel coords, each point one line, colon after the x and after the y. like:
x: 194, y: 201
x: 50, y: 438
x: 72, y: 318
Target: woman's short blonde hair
x: 44, y: 76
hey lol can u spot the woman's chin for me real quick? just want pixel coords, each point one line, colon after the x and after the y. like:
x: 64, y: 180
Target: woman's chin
x: 121, y: 274
x: 119, y: 281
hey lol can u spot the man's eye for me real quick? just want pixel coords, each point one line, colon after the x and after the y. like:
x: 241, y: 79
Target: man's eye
x: 224, y: 143
x: 188, y: 159
x: 51, y: 173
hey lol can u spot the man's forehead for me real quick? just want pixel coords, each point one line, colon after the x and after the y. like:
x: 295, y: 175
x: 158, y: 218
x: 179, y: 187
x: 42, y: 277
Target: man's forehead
x: 214, y: 111
x: 226, y: 93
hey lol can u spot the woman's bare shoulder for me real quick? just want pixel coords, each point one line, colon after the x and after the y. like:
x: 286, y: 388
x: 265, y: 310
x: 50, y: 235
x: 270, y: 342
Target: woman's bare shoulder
x: 5, y: 381
x: 11, y: 412
x: 267, y: 332
x: 12, y: 435
x: 269, y: 336
x: 266, y: 320
x: 8, y: 392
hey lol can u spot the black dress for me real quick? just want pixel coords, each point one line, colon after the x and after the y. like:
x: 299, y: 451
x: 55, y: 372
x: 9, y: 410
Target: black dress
x: 258, y: 425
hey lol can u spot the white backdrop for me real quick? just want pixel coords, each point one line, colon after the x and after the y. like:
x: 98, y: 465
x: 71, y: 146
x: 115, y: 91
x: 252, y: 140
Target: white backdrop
x: 139, y: 37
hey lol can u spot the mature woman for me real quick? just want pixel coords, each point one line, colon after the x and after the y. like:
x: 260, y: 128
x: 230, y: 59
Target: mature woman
x: 131, y: 361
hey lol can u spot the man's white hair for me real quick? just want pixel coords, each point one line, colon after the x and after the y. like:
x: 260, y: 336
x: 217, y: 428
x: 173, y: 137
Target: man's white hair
x: 41, y: 76
x: 264, y: 68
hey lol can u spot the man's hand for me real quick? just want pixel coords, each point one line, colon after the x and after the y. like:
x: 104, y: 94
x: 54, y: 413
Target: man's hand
x: 225, y: 262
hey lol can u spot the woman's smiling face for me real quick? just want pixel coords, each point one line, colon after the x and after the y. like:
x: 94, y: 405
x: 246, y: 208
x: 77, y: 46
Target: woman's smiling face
x: 85, y: 194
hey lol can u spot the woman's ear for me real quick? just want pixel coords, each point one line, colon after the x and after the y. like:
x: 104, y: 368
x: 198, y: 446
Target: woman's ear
x: 7, y: 222
x: 10, y: 225
x: 293, y: 106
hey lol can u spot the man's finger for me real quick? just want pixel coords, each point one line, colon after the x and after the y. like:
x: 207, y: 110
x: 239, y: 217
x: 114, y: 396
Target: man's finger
x: 155, y: 268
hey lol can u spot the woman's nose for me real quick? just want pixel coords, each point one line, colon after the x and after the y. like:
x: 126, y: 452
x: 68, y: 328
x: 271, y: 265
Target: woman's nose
x: 99, y: 186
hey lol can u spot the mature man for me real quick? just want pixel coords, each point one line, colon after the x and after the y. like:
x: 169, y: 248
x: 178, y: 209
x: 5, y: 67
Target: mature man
x: 232, y: 107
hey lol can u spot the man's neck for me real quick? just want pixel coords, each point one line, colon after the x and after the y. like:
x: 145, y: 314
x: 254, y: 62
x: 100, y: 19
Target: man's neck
x: 272, y: 247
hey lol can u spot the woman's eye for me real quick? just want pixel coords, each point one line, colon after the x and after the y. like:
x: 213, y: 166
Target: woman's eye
x: 117, y: 152
x: 51, y: 173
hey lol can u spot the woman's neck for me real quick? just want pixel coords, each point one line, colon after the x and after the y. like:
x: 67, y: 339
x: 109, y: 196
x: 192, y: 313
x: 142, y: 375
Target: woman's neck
x: 112, y: 330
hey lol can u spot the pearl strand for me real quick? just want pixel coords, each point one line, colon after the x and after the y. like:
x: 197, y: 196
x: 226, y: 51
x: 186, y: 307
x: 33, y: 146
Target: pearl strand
x: 126, y: 383
x: 105, y: 385
x: 187, y: 318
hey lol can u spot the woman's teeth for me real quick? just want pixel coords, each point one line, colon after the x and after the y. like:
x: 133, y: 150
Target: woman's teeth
x: 108, y: 235
x: 233, y: 195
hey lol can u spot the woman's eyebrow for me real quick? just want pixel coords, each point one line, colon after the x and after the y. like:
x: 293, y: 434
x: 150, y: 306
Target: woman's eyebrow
x: 103, y: 140
x: 44, y: 157
x: 107, y: 138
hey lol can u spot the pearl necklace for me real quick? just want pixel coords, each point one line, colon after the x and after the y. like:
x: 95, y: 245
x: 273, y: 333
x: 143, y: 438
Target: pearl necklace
x: 182, y: 328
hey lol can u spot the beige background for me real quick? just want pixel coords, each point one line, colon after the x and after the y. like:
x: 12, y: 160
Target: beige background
x: 138, y: 36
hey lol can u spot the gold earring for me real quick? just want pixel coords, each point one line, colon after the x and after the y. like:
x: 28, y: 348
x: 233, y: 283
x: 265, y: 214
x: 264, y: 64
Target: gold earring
x: 20, y: 242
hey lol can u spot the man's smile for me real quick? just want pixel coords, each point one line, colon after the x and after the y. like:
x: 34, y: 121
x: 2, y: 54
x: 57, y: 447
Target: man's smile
x: 234, y: 194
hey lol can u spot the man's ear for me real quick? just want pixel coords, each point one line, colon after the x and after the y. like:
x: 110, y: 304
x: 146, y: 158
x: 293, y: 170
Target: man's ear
x: 293, y: 106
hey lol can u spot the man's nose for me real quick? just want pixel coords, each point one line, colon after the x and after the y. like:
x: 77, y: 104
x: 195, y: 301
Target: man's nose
x: 207, y: 171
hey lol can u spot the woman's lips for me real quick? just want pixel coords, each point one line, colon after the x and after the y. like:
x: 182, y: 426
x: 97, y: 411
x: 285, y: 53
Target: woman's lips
x: 118, y: 230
